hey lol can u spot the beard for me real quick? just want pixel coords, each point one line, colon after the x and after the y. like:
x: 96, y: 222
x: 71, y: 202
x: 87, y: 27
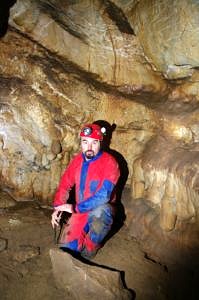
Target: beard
x: 89, y: 154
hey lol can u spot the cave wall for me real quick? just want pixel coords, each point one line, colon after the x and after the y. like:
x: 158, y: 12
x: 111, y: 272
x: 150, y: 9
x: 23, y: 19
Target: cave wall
x: 44, y: 102
x: 132, y: 63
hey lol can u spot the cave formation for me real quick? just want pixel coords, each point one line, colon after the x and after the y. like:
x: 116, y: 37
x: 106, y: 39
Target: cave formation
x: 133, y: 64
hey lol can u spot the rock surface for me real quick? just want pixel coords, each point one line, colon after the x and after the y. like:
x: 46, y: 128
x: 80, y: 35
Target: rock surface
x: 84, y: 281
x: 46, y: 114
x: 78, y: 27
x: 3, y: 244
x: 168, y: 31
x: 6, y: 201
x: 25, y: 252
x: 33, y: 278
x: 131, y: 63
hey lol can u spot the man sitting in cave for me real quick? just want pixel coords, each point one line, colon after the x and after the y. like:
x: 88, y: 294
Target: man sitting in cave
x: 94, y: 174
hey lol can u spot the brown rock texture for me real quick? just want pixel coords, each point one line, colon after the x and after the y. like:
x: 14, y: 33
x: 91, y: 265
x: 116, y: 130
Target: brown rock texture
x: 168, y: 31
x: 131, y: 63
x: 84, y: 33
x: 84, y: 281
x: 44, y: 104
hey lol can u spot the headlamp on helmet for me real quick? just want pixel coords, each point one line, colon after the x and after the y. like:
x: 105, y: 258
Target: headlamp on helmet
x: 87, y: 131
x: 93, y: 131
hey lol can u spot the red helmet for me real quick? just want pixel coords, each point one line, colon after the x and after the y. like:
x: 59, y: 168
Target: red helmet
x: 92, y: 131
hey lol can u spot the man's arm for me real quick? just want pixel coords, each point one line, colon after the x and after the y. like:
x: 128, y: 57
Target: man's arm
x: 62, y: 194
x: 67, y: 181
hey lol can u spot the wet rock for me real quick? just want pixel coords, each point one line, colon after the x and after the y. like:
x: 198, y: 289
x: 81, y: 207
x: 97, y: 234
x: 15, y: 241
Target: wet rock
x: 84, y: 281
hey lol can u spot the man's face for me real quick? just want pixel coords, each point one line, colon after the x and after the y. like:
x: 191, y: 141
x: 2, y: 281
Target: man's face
x: 90, y: 147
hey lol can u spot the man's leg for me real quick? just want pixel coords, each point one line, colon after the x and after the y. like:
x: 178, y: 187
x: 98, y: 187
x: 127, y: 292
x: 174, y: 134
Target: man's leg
x: 72, y: 236
x: 98, y: 226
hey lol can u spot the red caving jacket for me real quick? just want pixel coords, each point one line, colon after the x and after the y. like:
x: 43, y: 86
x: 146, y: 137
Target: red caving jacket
x: 94, y: 181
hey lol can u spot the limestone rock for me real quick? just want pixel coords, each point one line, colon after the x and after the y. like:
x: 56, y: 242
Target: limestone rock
x: 25, y: 252
x: 46, y: 115
x: 179, y: 246
x: 28, y: 164
x: 169, y: 183
x: 167, y: 178
x: 112, y: 56
x: 6, y: 201
x: 168, y: 31
x: 56, y: 147
x: 3, y: 244
x: 84, y: 281
x: 48, y: 90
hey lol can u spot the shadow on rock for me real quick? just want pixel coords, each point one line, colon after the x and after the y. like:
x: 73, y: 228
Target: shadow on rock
x: 4, y: 15
x: 124, y: 172
x: 183, y: 278
x: 88, y: 279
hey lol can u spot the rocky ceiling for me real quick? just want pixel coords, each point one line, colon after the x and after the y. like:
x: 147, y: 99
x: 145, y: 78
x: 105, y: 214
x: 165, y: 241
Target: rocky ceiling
x: 132, y: 63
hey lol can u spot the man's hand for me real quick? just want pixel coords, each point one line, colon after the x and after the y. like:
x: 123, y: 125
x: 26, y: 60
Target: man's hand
x: 55, y: 218
x: 56, y: 215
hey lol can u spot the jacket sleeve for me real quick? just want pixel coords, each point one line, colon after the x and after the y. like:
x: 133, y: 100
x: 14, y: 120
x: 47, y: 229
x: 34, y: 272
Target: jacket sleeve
x: 111, y: 174
x: 67, y: 181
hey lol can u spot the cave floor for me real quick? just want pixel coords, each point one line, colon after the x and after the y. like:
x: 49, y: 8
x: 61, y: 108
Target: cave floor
x: 26, y: 270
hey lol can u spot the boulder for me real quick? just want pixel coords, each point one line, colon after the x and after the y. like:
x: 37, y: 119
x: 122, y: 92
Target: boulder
x: 85, y: 281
